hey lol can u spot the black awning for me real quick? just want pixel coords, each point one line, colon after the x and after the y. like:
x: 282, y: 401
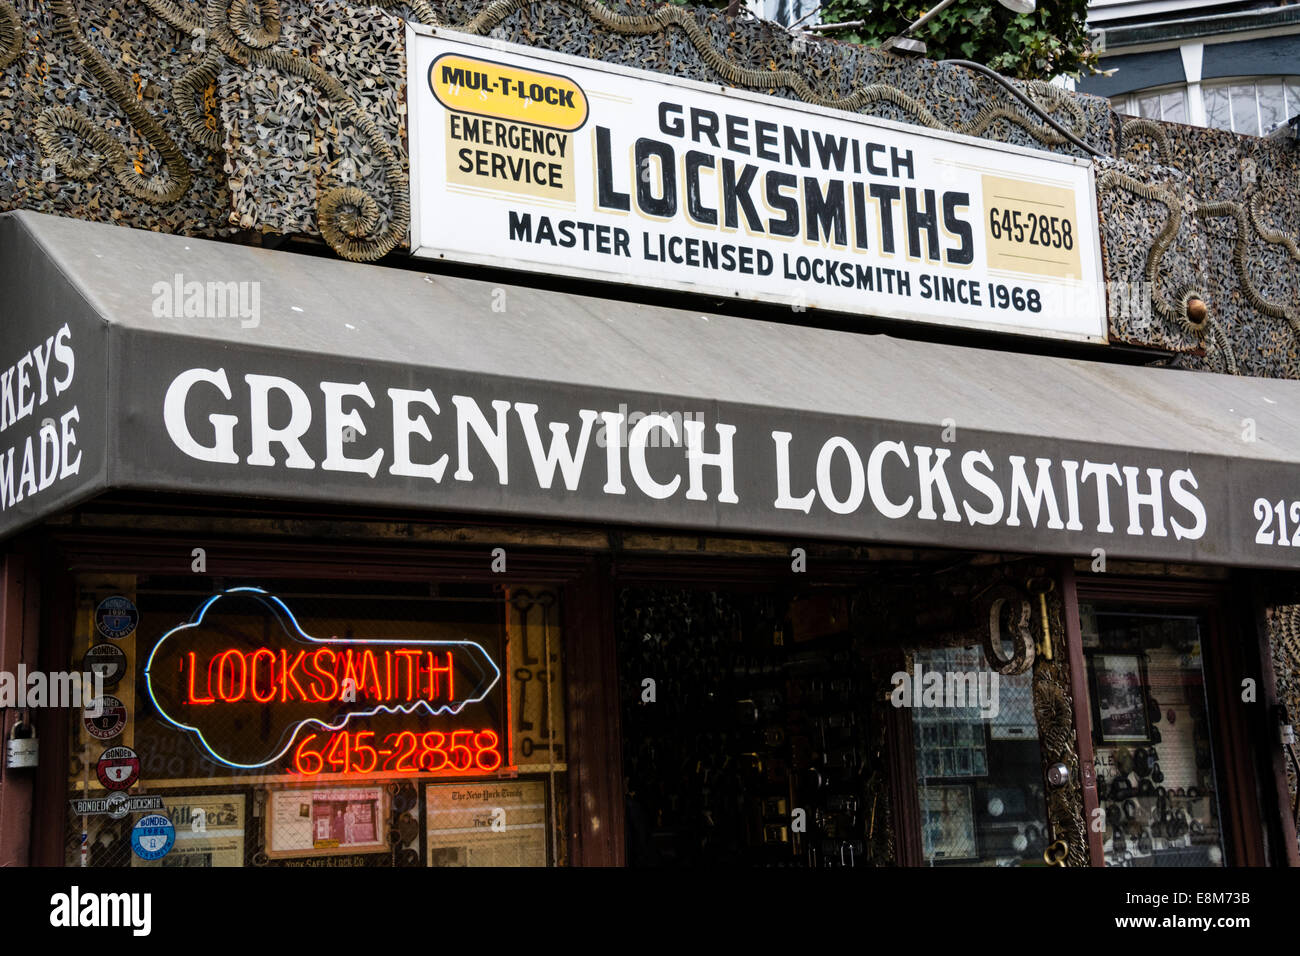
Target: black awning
x: 133, y: 360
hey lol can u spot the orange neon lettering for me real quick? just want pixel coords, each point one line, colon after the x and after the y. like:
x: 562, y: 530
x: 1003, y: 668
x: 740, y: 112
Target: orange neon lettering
x: 287, y: 676
x: 403, y: 752
x: 412, y: 659
x: 370, y: 666
x: 320, y: 669
x: 252, y: 661
x: 434, y: 671
x: 228, y: 697
x: 486, y: 750
x: 193, y: 698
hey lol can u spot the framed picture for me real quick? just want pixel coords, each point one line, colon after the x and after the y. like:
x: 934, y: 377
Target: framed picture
x: 948, y: 824
x: 1119, y: 698
x: 327, y: 821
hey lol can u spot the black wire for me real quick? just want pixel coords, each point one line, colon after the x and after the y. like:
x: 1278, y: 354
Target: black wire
x: 985, y: 71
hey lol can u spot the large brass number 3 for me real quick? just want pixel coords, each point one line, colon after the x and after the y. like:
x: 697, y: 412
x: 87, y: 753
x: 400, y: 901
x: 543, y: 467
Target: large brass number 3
x: 1022, y: 639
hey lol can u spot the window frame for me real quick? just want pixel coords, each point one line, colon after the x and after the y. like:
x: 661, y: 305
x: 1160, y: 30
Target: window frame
x: 1224, y: 648
x: 1126, y: 104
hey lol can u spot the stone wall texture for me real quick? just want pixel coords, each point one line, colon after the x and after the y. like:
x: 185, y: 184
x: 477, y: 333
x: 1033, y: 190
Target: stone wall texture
x: 267, y: 118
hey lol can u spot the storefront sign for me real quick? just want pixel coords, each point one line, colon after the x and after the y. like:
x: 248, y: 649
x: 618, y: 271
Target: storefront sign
x: 455, y: 441
x: 42, y: 445
x: 534, y: 160
x: 248, y: 700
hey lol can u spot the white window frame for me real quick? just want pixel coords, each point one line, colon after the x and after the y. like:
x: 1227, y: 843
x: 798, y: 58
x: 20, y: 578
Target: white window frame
x: 1289, y: 109
x: 1194, y: 97
x: 1131, y: 99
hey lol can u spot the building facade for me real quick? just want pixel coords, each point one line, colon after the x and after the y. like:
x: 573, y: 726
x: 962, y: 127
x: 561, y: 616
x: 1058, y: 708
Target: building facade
x: 1229, y: 66
x: 393, y: 547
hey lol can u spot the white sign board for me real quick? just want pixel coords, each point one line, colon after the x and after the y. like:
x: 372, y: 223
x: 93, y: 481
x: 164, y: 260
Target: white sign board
x: 534, y: 160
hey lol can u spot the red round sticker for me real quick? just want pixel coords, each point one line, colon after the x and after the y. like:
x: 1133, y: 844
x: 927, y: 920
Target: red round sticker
x: 118, y: 768
x: 110, y: 721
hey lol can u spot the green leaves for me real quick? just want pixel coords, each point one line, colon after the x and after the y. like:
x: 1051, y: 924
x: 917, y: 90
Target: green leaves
x: 1040, y: 45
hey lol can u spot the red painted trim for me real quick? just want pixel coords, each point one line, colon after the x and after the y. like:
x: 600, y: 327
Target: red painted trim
x: 16, y: 786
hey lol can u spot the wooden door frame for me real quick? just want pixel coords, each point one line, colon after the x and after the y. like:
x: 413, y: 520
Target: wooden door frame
x: 1224, y: 664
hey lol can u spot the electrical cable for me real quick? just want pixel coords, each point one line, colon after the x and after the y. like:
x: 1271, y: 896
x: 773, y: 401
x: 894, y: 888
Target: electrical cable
x: 1046, y: 117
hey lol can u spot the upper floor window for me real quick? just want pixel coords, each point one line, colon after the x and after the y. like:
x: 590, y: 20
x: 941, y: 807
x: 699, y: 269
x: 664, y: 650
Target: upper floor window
x: 1252, y: 106
x: 1169, y: 104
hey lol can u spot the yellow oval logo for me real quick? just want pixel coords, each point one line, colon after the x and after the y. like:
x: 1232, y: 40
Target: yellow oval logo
x: 470, y: 85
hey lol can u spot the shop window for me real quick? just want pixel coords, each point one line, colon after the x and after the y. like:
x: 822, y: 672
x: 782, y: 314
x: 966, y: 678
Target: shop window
x: 316, y: 723
x: 767, y: 729
x: 1151, y: 732
x: 978, y: 766
x: 751, y: 736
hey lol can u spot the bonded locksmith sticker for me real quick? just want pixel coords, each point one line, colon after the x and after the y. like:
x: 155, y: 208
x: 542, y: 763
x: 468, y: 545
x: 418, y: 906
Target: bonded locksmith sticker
x: 116, y: 805
x: 116, y: 617
x: 110, y: 721
x: 118, y: 768
x: 152, y: 837
x: 106, y: 660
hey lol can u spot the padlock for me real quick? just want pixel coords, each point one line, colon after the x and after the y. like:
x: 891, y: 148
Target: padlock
x: 22, y: 750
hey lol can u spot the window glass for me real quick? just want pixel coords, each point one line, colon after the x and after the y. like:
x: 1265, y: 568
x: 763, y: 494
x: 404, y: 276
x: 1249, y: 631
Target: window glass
x: 1217, y: 113
x: 1149, y: 106
x: 1272, y: 105
x: 1245, y: 112
x: 1292, y: 88
x: 979, y: 768
x: 299, y: 722
x: 1121, y: 105
x: 1151, y: 738
x: 1173, y: 106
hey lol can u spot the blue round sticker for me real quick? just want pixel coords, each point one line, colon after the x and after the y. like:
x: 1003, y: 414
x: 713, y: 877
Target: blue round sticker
x: 116, y: 617
x: 152, y: 837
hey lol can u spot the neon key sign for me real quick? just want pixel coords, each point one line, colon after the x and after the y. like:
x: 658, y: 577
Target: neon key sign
x: 246, y: 699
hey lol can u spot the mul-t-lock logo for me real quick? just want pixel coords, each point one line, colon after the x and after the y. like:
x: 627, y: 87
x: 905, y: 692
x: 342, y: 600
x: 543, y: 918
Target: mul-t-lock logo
x: 509, y: 129
x: 246, y: 680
